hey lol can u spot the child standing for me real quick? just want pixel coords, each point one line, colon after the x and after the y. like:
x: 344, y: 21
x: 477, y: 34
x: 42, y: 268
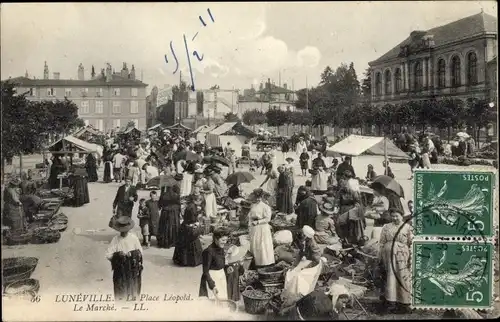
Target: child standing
x: 234, y: 269
x: 143, y: 216
x: 388, y: 170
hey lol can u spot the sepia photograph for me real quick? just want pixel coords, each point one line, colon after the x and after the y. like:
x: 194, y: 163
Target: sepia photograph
x: 201, y: 161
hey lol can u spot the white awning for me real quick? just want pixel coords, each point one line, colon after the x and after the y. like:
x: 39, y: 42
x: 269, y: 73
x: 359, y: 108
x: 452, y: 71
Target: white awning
x: 355, y: 145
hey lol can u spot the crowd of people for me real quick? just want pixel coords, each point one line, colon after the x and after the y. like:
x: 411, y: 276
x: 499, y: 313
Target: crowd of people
x: 328, y: 211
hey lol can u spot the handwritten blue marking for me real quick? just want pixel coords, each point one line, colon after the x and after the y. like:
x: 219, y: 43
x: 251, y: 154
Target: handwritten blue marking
x: 189, y: 61
x: 195, y: 53
x: 194, y: 36
x: 210, y: 14
x: 203, y: 22
x: 175, y: 57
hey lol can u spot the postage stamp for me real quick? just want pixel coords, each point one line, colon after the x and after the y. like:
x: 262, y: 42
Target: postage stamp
x: 452, y: 275
x: 441, y: 197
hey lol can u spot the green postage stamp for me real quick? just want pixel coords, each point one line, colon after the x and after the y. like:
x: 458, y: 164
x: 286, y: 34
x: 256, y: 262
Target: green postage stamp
x: 453, y: 203
x: 452, y: 275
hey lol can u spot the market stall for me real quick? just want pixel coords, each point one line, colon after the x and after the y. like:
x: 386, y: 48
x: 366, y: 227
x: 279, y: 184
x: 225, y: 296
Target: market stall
x: 179, y: 129
x: 231, y: 132
x: 356, y: 145
x: 201, y: 132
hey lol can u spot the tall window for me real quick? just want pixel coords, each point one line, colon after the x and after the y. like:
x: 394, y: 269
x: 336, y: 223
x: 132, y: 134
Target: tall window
x: 67, y: 92
x: 98, y: 92
x: 471, y: 69
x: 85, y: 91
x: 441, y: 71
x: 399, y: 81
x: 134, y: 107
x: 419, y: 74
x: 116, y: 91
x: 32, y: 91
x: 455, y: 71
x: 116, y: 123
x: 100, y: 125
x: 84, y: 107
x: 388, y: 82
x: 135, y: 91
x: 51, y: 91
x: 99, y: 107
x: 116, y: 108
x: 378, y: 84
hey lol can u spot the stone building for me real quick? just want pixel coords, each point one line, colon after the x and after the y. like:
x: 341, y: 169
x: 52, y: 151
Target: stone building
x: 453, y: 60
x: 107, y: 100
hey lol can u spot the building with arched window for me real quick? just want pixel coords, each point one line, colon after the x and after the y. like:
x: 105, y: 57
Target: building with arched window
x: 452, y: 60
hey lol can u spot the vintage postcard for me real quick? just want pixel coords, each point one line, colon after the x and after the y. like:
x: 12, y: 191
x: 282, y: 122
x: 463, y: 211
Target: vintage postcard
x: 200, y: 161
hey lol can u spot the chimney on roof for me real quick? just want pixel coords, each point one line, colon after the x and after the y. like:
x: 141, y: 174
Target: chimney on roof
x: 45, y: 71
x: 92, y: 73
x: 124, y: 71
x: 109, y: 72
x: 132, y: 73
x: 285, y: 86
x: 57, y: 75
x: 81, y: 72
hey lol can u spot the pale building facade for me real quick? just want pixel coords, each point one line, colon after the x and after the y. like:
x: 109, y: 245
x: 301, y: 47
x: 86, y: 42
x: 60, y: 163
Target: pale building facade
x: 447, y: 61
x: 107, y: 100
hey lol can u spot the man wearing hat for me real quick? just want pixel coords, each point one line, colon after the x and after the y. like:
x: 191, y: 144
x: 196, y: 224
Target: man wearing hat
x: 125, y: 254
x: 125, y: 198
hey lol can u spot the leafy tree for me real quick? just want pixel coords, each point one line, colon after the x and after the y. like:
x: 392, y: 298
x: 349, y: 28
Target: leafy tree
x: 130, y: 124
x: 276, y: 117
x: 478, y: 115
x: 62, y: 116
x: 366, y: 84
x: 231, y: 117
x: 326, y: 76
x: 254, y: 117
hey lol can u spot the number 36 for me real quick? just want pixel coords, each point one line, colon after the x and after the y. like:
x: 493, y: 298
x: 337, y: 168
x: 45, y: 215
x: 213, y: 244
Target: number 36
x: 474, y: 296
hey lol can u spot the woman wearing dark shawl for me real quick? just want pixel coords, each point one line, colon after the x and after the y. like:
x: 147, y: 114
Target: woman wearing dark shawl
x: 56, y: 169
x: 108, y: 165
x: 168, y: 226
x: 285, y: 190
x: 307, y: 211
x: 188, y: 246
x: 91, y: 166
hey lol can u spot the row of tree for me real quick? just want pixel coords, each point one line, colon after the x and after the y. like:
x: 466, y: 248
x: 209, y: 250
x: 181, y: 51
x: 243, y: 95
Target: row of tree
x: 445, y: 114
x: 28, y: 125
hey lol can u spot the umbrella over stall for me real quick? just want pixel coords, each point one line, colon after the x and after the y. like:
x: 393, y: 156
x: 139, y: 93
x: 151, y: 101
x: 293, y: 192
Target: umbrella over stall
x: 388, y: 183
x: 238, y: 178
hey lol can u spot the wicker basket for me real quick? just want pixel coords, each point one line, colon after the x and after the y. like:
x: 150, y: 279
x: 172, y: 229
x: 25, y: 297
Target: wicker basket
x: 271, y: 274
x: 14, y: 265
x: 23, y: 273
x: 272, y: 288
x: 254, y: 305
x: 19, y: 237
x: 58, y: 226
x: 24, y: 287
x: 46, y: 235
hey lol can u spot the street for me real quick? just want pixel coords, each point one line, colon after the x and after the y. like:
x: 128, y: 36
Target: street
x: 77, y: 264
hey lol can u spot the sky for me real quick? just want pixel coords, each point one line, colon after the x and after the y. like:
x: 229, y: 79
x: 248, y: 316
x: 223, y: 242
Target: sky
x: 245, y: 44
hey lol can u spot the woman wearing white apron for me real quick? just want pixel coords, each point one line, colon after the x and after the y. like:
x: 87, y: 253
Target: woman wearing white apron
x: 209, y: 191
x: 213, y: 262
x: 261, y: 238
x: 302, y: 278
x: 319, y: 180
x: 272, y: 184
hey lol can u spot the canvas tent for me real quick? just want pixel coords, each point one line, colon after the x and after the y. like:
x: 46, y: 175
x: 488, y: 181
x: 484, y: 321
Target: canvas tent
x: 231, y: 132
x: 179, y: 129
x: 158, y: 126
x: 86, y: 130
x: 70, y: 144
x: 355, y: 145
x: 201, y: 135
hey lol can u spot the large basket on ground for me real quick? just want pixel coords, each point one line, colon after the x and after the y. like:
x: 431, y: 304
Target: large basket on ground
x: 45, y: 235
x: 18, y: 237
x: 24, y: 287
x: 272, y: 274
x: 255, y: 300
x: 17, y: 268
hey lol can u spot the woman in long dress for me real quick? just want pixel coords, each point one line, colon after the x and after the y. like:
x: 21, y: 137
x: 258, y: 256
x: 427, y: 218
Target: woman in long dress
x: 213, y: 277
x: 187, y: 180
x: 284, y: 200
x: 168, y: 227
x: 125, y: 254
x: 395, y: 253
x: 13, y: 214
x: 108, y: 166
x: 91, y: 167
x: 188, y: 247
x: 272, y: 184
x: 209, y: 193
x: 261, y: 239
x: 319, y: 180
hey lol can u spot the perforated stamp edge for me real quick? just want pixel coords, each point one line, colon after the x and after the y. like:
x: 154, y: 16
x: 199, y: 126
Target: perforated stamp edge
x: 441, y: 309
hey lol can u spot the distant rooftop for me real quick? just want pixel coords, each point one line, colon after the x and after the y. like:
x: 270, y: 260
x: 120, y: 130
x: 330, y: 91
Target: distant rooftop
x: 116, y: 80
